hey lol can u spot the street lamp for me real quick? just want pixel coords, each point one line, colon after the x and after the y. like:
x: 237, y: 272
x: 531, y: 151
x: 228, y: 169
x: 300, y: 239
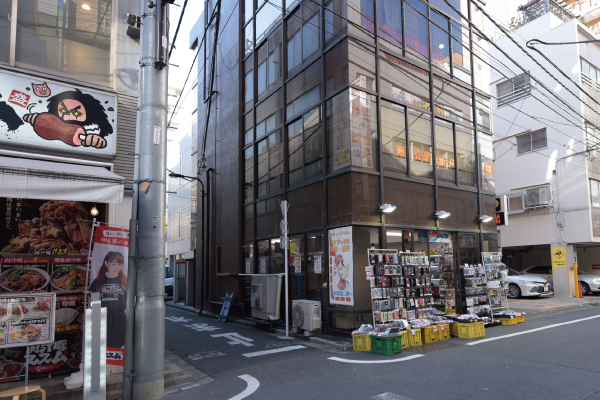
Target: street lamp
x: 387, y: 208
x: 442, y: 214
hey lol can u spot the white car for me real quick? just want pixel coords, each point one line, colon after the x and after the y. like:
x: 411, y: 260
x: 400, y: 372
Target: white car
x: 527, y: 285
x: 168, y: 280
x: 589, y: 283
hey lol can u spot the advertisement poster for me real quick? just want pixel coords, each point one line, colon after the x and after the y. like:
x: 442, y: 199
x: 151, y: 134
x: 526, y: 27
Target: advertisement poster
x: 42, y: 112
x: 45, y: 227
x: 248, y: 266
x: 108, y: 277
x: 24, y: 273
x: 341, y: 271
x: 297, y: 265
x: 262, y: 265
x: 360, y: 128
x: 317, y: 265
x: 341, y: 132
x: 68, y: 274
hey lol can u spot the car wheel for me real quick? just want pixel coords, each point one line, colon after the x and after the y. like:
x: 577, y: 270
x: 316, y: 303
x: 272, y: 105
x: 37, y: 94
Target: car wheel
x: 514, y: 291
x: 585, y: 289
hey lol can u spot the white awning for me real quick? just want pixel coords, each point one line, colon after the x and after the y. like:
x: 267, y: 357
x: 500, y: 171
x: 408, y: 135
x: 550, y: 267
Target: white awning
x: 32, y: 179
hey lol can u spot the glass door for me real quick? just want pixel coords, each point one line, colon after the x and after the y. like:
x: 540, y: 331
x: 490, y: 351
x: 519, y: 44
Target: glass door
x: 315, y: 267
x: 298, y: 267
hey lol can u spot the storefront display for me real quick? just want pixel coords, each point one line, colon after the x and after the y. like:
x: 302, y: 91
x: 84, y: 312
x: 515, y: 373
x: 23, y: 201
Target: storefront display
x: 497, y: 276
x: 475, y: 289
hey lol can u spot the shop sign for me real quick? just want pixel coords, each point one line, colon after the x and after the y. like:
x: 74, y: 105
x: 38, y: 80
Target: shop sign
x: 262, y: 265
x: 317, y: 265
x: 595, y: 266
x: 297, y: 265
x: 341, y: 132
x: 559, y: 257
x: 360, y: 129
x: 109, y: 278
x: 50, y: 114
x: 341, y: 271
x: 41, y: 227
x: 400, y: 151
x: 248, y: 267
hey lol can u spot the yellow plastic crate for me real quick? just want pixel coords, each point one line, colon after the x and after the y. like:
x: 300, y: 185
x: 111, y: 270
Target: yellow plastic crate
x: 414, y: 337
x: 443, y: 332
x: 405, y: 342
x: 507, y: 321
x: 471, y: 331
x: 520, y: 319
x: 430, y: 334
x: 361, y: 342
x: 449, y: 311
x: 454, y: 329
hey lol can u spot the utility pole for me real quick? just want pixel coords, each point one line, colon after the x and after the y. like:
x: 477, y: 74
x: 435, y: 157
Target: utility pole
x: 285, y: 244
x: 148, y: 316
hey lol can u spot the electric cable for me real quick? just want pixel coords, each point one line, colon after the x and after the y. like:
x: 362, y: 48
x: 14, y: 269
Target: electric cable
x: 177, y: 30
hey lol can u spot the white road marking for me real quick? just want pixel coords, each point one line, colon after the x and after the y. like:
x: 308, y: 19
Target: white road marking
x: 253, y: 385
x: 178, y: 319
x: 202, y: 327
x: 205, y: 354
x: 236, y: 338
x: 531, y: 330
x: 279, y: 350
x: 374, y: 361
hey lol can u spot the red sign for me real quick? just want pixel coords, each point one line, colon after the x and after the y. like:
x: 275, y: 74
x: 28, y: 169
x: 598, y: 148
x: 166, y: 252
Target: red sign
x: 18, y: 98
x: 400, y: 151
x: 595, y: 266
x: 500, y: 219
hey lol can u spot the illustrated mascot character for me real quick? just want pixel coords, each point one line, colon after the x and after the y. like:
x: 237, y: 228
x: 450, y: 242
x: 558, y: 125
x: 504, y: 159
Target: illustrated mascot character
x: 76, y: 118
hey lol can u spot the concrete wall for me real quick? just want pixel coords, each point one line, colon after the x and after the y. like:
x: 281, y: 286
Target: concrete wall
x: 567, y: 178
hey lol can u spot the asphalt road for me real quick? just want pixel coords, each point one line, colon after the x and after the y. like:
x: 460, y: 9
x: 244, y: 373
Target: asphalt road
x: 559, y: 360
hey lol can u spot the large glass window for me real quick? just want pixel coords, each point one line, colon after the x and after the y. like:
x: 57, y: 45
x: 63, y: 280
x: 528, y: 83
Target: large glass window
x: 248, y: 84
x: 267, y: 17
x: 304, y: 91
x: 305, y: 147
x: 269, y: 63
x: 419, y: 128
x: 393, y: 130
x: 595, y: 192
x: 442, y: 5
x: 68, y: 37
x: 335, y: 25
x: 249, y: 221
x: 444, y: 149
x: 465, y: 150
x: 390, y: 21
x: 461, y: 59
x: 416, y: 27
x: 248, y: 9
x: 248, y: 174
x: 268, y: 216
x: 248, y: 38
x: 451, y: 100
x: 263, y: 256
x: 268, y: 114
x: 404, y: 82
x: 248, y: 128
x: 5, y: 11
x: 270, y: 164
x: 440, y: 44
x: 349, y: 62
x: 361, y: 13
x: 488, y: 207
x: 483, y: 112
x: 352, y: 131
x: 303, y: 34
x: 486, y: 155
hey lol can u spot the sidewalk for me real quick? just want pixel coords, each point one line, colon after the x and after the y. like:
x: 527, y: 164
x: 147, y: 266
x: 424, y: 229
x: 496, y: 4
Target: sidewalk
x: 545, y: 305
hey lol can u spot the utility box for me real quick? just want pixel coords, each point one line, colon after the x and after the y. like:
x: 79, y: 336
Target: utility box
x: 265, y: 295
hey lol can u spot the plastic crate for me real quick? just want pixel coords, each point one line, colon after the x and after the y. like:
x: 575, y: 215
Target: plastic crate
x: 386, y: 345
x: 449, y: 311
x: 430, y: 334
x: 414, y: 337
x: 361, y: 342
x: 443, y: 332
x: 405, y: 341
x: 520, y: 319
x: 454, y: 329
x: 507, y: 321
x: 471, y: 331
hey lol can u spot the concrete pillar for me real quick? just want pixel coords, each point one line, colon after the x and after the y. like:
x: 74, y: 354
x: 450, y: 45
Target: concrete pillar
x: 564, y: 261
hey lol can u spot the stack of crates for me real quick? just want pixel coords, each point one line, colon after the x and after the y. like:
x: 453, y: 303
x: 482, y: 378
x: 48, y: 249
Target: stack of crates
x: 520, y: 318
x: 361, y: 342
x: 443, y: 332
x: 507, y: 321
x: 386, y: 345
x: 405, y: 341
x: 414, y: 337
x: 454, y: 329
x: 430, y: 334
x: 471, y: 331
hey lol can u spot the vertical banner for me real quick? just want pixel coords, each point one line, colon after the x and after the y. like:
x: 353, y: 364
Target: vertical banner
x: 341, y: 131
x: 109, y: 278
x: 341, y: 270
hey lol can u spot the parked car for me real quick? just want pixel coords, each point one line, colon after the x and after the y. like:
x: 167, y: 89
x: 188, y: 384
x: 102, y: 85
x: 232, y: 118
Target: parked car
x: 169, y: 280
x: 527, y: 285
x: 543, y: 271
x: 589, y: 283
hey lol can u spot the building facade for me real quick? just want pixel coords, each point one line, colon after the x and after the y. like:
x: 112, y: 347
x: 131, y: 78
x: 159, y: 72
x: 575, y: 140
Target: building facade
x: 340, y: 107
x: 546, y: 146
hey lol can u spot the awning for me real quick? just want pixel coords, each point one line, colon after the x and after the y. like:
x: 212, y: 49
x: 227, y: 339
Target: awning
x: 32, y: 179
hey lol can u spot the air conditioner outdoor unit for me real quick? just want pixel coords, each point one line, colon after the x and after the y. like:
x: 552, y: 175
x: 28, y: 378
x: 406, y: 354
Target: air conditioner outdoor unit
x: 306, y: 314
x: 537, y: 197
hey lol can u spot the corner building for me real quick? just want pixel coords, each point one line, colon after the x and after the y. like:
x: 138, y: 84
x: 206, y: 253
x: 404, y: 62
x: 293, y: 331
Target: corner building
x: 346, y: 105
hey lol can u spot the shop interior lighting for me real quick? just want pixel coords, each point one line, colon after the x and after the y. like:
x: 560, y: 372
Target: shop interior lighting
x: 94, y: 211
x: 86, y: 7
x: 485, y: 218
x: 442, y: 214
x: 387, y: 208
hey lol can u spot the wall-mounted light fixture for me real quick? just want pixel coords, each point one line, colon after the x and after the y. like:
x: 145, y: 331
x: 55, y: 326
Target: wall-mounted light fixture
x: 485, y: 218
x: 387, y: 208
x: 86, y: 7
x: 442, y: 214
x: 94, y: 211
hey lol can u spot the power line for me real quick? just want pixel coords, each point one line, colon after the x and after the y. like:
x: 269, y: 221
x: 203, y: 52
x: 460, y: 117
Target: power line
x: 177, y: 30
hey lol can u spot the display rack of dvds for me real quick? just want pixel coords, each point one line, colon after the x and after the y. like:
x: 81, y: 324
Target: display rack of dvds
x: 497, y: 280
x: 475, y: 290
x: 447, y: 281
x: 400, y: 285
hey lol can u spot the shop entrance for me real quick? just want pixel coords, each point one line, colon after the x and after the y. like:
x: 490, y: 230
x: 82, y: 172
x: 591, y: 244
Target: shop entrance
x: 308, y: 269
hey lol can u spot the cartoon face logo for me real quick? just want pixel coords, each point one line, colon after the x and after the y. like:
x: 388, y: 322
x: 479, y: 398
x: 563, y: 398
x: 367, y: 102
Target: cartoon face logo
x: 71, y: 110
x: 41, y: 90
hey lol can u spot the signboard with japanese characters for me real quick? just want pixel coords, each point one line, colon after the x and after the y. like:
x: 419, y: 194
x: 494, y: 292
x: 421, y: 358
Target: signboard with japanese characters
x: 69, y: 274
x: 341, y: 270
x: 27, y: 319
x: 50, y: 114
x: 24, y: 273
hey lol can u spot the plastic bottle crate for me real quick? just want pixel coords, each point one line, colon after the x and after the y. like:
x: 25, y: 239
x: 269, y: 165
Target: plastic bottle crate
x: 405, y: 341
x: 414, y: 337
x: 443, y: 332
x: 449, y: 311
x: 386, y: 345
x: 430, y: 334
x: 471, y: 331
x: 454, y: 329
x: 507, y: 321
x: 361, y: 342
x: 520, y: 319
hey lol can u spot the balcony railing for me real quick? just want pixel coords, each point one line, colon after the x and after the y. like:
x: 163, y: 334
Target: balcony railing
x: 536, y: 8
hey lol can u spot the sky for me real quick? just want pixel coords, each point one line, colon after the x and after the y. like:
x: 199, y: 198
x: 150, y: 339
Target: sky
x: 503, y: 10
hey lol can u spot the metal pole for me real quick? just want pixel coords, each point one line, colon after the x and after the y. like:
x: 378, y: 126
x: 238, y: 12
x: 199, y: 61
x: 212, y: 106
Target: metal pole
x: 284, y: 242
x: 149, y: 319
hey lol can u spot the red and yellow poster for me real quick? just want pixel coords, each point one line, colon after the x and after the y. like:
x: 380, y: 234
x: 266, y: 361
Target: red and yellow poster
x: 341, y: 271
